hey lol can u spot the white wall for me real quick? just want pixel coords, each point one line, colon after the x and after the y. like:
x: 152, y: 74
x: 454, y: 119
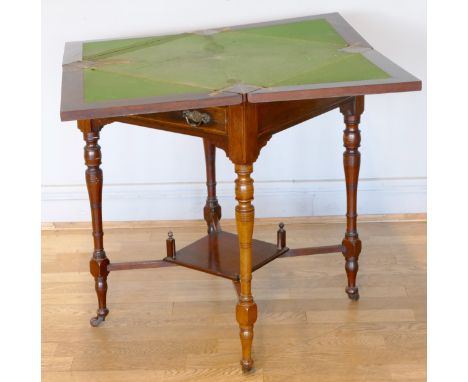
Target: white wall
x: 158, y: 175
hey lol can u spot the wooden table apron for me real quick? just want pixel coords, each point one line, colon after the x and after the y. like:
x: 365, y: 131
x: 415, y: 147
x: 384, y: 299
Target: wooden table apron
x: 239, y: 120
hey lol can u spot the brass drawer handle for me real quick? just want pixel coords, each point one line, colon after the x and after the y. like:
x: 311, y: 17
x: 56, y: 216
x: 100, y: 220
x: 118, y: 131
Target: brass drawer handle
x: 194, y: 118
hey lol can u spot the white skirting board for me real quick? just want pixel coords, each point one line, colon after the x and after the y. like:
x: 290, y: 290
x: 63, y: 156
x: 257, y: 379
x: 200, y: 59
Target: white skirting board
x: 185, y: 201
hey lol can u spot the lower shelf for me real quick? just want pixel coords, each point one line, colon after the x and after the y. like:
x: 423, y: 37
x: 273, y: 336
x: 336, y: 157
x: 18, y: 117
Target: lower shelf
x: 218, y: 254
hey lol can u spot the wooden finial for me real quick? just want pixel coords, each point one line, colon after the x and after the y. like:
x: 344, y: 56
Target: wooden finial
x: 281, y: 236
x: 170, y: 245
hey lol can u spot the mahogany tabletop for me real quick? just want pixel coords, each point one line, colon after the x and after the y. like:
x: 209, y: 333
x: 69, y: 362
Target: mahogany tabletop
x: 311, y: 57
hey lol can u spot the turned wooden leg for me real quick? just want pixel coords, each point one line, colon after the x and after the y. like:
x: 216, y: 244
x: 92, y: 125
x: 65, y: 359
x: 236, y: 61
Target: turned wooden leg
x: 351, y: 160
x: 212, y: 210
x: 99, y: 261
x: 246, y: 310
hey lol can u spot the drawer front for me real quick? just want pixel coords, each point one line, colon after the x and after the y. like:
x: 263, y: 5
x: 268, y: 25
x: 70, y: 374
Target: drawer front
x: 210, y: 120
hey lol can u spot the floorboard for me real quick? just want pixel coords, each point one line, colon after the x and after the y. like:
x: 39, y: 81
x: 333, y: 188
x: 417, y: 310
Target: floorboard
x: 175, y: 324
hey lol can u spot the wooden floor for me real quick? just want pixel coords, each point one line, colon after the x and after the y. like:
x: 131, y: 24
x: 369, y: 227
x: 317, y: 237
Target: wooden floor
x: 176, y: 324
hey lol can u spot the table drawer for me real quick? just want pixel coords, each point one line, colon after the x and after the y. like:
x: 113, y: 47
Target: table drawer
x: 210, y: 120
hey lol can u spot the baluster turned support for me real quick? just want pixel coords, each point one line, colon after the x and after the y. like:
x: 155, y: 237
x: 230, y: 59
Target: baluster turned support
x: 94, y: 179
x: 246, y: 310
x: 351, y: 160
x: 212, y: 209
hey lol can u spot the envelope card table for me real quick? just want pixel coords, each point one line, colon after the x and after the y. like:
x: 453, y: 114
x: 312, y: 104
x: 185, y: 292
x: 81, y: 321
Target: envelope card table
x: 233, y: 87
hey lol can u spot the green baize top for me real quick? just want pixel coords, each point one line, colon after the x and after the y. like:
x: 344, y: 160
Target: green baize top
x: 291, y: 54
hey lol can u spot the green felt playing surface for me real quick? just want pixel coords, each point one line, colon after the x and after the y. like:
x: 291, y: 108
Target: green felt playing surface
x: 296, y: 53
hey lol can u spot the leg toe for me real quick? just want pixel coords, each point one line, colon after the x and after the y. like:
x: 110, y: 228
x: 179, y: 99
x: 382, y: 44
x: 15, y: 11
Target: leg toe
x: 96, y: 321
x: 247, y: 366
x: 353, y: 293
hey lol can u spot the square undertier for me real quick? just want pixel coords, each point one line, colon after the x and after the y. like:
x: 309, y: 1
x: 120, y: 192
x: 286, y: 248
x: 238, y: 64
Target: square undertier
x: 218, y: 254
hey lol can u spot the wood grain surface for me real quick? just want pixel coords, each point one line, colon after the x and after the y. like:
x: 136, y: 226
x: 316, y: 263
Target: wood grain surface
x: 175, y: 324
